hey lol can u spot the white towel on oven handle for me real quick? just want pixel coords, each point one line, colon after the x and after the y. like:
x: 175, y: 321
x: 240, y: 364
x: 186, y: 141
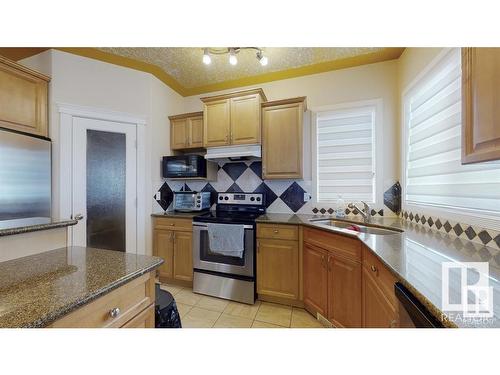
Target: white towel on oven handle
x: 226, y: 239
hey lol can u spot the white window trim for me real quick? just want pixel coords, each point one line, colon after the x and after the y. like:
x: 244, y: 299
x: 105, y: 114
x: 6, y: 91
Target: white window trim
x: 480, y: 218
x: 378, y: 156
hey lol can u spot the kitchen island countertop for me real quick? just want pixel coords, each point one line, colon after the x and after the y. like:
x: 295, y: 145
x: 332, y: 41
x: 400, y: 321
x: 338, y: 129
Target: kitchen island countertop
x: 38, y: 289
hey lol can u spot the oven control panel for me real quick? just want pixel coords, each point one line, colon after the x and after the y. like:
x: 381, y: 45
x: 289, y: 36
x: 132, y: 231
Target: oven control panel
x: 254, y: 199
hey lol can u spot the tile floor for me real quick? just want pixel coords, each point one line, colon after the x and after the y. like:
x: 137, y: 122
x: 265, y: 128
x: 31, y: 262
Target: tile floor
x: 198, y: 311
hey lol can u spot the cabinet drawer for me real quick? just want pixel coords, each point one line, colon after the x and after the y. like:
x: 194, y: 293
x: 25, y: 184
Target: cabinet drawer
x: 171, y: 223
x: 384, y: 278
x: 145, y: 319
x: 336, y: 243
x: 278, y: 231
x: 130, y: 299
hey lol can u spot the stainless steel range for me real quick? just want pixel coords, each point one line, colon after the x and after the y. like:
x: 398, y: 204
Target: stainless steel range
x: 225, y: 274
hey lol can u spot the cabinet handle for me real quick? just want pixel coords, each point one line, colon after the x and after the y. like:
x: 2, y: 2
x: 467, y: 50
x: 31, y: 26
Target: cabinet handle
x: 329, y: 264
x: 258, y: 246
x: 373, y: 268
x: 323, y: 263
x: 172, y: 224
x: 114, y: 312
x: 276, y: 231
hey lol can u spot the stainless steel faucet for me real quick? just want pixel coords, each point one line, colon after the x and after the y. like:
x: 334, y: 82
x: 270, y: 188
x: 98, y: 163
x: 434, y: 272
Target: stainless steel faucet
x: 367, y: 216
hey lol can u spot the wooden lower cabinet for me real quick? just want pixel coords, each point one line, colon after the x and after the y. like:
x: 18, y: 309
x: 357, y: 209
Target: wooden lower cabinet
x: 176, y: 248
x: 164, y: 248
x: 315, y: 280
x: 146, y: 319
x: 131, y: 305
x: 183, y: 256
x: 278, y: 268
x: 344, y: 292
x: 378, y: 311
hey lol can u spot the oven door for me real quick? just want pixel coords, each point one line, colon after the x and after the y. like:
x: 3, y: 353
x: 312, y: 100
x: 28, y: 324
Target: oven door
x: 204, y: 259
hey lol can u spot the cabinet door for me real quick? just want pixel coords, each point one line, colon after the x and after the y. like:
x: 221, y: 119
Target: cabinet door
x: 344, y: 292
x: 378, y: 312
x: 196, y: 132
x: 164, y: 248
x: 216, y: 123
x: 315, y: 279
x: 278, y: 268
x: 282, y: 142
x: 480, y: 104
x: 183, y: 256
x: 178, y: 134
x: 245, y: 120
x: 23, y: 100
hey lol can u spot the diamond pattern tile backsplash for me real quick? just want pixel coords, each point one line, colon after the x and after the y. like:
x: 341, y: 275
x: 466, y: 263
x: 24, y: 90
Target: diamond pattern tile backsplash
x: 469, y: 232
x: 281, y: 196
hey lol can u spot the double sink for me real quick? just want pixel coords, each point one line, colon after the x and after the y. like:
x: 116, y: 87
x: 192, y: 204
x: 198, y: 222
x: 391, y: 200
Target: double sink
x: 356, y: 227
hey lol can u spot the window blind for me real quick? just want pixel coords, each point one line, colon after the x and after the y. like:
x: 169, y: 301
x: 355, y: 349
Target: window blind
x: 434, y: 173
x: 345, y: 151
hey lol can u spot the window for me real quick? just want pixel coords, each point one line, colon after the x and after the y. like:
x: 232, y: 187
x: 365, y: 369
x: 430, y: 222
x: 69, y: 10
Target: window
x: 345, y: 148
x: 434, y: 175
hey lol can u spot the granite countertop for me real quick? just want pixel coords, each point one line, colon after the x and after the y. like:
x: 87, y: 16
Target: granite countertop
x: 37, y: 290
x: 416, y: 256
x: 11, y: 227
x: 178, y: 214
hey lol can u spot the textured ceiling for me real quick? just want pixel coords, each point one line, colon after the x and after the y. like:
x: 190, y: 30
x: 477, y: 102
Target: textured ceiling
x: 186, y: 67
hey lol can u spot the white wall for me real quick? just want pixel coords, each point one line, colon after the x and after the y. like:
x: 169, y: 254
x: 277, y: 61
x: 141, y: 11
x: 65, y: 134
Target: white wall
x: 374, y: 81
x: 86, y: 82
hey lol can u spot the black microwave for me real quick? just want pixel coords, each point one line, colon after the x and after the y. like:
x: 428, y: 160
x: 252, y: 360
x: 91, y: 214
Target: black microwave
x: 184, y: 166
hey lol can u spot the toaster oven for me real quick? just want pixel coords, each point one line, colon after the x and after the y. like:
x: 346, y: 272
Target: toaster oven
x: 189, y: 201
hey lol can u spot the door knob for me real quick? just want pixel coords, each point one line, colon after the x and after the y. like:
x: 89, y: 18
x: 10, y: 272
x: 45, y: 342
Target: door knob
x: 78, y: 217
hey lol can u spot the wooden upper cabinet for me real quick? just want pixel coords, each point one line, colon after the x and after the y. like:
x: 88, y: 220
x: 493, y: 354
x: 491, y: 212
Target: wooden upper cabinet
x: 245, y: 119
x: 233, y: 118
x: 195, y: 125
x: 282, y: 138
x: 216, y: 123
x: 315, y: 279
x: 480, y: 104
x: 23, y: 98
x: 186, y: 131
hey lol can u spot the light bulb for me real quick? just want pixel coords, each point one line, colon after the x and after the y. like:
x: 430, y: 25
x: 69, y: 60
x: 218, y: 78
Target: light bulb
x: 206, y: 57
x: 263, y: 61
x: 232, y: 57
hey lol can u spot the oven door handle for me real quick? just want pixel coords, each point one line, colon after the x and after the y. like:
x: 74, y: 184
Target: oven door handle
x: 204, y: 226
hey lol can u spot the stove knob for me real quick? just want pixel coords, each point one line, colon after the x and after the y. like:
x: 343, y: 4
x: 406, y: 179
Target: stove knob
x: 221, y: 198
x: 226, y: 198
x: 258, y: 199
x: 198, y: 205
x: 252, y: 199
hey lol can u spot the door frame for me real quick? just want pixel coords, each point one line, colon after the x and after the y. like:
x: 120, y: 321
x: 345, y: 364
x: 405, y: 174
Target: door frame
x: 64, y: 163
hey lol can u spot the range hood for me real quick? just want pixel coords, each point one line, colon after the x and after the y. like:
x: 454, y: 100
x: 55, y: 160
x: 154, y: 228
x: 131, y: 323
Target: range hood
x: 244, y: 152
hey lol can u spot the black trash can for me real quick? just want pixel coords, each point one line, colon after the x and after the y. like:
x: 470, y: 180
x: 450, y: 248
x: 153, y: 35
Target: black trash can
x: 166, y: 314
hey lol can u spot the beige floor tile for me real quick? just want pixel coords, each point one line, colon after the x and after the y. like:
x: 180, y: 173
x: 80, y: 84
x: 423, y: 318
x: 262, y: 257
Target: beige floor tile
x: 211, y: 303
x: 242, y: 310
x: 183, y: 309
x: 302, y: 319
x: 274, y: 314
x: 174, y: 289
x: 200, y: 318
x: 231, y: 321
x: 257, y: 324
x: 187, y: 297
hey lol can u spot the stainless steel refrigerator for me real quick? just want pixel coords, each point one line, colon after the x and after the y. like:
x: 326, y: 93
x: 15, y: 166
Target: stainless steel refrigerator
x: 25, y: 179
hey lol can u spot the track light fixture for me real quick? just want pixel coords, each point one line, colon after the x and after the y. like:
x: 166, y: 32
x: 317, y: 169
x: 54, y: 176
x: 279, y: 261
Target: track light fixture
x: 232, y: 51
